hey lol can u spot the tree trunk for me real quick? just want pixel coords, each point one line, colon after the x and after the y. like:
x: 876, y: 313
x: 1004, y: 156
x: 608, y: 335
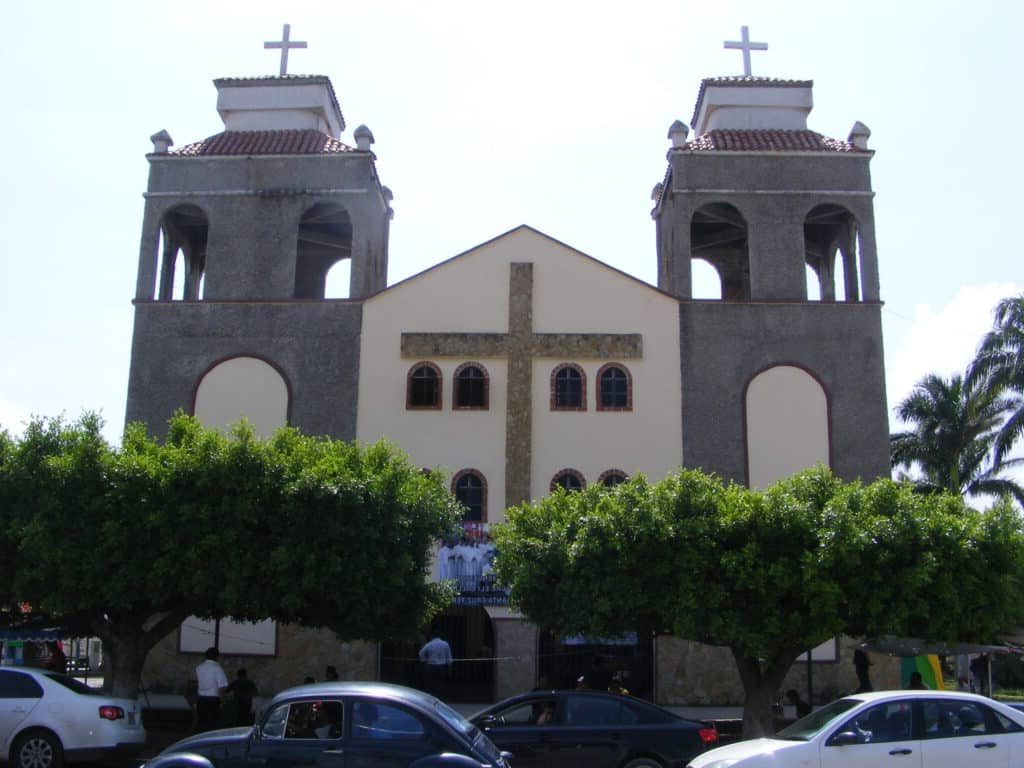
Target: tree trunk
x: 126, y: 643
x: 761, y: 683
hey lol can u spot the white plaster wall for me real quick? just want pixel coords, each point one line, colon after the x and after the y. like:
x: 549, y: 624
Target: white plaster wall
x: 572, y: 293
x: 466, y: 294
x: 575, y: 294
x: 243, y: 387
x: 787, y: 424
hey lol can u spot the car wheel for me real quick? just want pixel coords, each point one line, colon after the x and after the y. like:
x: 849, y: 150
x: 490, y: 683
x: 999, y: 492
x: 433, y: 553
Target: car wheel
x: 643, y: 762
x: 37, y: 749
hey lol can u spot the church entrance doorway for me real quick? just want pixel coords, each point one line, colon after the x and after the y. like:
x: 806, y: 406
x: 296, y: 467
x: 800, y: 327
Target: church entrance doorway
x: 470, y: 634
x: 628, y: 661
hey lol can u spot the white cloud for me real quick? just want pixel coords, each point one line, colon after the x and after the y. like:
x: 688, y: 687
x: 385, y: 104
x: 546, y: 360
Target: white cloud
x: 941, y: 339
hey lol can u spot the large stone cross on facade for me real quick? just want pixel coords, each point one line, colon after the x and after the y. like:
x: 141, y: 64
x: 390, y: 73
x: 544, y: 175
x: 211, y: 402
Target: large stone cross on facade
x: 520, y: 345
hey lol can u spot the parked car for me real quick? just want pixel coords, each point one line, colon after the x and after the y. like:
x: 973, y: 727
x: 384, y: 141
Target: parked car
x: 47, y: 719
x: 926, y: 729
x: 343, y: 725
x: 591, y: 729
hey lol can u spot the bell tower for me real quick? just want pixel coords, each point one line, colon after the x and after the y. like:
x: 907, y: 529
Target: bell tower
x: 784, y: 216
x: 239, y: 233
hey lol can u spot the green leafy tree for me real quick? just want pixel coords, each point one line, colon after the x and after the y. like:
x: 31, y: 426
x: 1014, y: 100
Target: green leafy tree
x: 999, y: 366
x: 299, y: 529
x: 766, y: 574
x: 954, y: 430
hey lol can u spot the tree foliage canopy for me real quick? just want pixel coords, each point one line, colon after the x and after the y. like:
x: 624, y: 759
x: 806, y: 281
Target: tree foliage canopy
x: 767, y: 574
x: 299, y: 529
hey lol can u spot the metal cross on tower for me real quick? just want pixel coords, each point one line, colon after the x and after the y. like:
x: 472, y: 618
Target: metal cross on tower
x: 746, y: 46
x: 284, y: 44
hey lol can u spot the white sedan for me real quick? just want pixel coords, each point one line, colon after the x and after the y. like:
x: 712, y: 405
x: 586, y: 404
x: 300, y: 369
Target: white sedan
x: 47, y: 719
x: 904, y: 729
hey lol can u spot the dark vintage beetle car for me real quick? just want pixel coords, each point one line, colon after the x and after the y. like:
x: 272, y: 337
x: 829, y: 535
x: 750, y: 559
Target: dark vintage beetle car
x: 343, y: 725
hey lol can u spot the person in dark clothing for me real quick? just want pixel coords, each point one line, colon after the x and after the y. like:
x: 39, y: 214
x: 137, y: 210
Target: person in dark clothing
x: 862, y: 663
x: 243, y: 690
x: 802, y: 707
x: 57, y: 662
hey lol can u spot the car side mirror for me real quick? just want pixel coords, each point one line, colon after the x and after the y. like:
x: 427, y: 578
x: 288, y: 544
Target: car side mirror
x: 845, y: 738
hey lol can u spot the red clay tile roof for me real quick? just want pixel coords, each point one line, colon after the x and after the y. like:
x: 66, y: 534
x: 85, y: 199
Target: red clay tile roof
x: 741, y: 81
x: 284, y: 142
x: 767, y: 141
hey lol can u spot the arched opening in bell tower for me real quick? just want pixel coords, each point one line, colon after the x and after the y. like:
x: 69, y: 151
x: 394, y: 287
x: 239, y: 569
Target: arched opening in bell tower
x: 184, y: 232
x: 324, y: 239
x: 829, y: 231
x: 718, y: 235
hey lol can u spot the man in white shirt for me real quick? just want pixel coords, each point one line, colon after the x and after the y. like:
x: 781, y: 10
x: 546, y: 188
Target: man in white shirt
x: 211, y: 683
x: 436, y: 654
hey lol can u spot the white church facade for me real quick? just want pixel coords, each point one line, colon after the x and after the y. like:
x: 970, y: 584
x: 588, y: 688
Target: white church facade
x: 521, y: 364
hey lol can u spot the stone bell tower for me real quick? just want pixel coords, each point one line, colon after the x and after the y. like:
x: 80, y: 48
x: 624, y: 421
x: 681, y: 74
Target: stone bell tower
x: 239, y: 233
x: 785, y: 367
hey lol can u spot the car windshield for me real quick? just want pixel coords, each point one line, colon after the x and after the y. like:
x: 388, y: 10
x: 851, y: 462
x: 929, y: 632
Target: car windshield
x: 477, y: 737
x: 808, y: 726
x: 75, y: 685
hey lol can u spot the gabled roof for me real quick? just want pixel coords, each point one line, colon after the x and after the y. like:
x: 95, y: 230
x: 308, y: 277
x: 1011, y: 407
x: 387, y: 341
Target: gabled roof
x: 280, y: 142
x: 526, y: 229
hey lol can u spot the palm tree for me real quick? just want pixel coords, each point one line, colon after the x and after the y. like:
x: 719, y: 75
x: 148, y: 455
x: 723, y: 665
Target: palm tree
x: 999, y: 366
x: 953, y: 432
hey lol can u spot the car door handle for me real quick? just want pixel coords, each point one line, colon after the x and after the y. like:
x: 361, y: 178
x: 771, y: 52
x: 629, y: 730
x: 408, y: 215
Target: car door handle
x: 985, y: 745
x: 334, y: 751
x: 903, y: 751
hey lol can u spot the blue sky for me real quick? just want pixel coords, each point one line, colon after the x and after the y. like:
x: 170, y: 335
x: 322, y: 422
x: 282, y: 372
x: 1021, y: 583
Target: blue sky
x: 486, y: 116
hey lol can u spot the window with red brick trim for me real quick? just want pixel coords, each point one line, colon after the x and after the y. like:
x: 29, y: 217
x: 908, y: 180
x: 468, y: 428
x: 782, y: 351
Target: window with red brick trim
x: 612, y: 477
x: 614, y: 388
x: 423, y: 387
x: 568, y: 388
x: 470, y: 488
x: 570, y: 479
x: 470, y: 388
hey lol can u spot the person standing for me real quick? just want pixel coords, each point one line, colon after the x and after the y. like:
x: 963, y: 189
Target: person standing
x: 211, y: 684
x: 436, y: 654
x: 862, y: 664
x: 243, y: 690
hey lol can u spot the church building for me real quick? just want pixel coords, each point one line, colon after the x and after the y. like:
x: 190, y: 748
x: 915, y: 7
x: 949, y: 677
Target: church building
x: 522, y: 364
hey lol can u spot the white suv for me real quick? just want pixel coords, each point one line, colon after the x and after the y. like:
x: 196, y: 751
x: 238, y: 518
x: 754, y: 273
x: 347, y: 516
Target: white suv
x: 47, y: 719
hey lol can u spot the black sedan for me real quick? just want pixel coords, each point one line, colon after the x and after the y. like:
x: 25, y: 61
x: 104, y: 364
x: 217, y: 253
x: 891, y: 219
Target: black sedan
x: 342, y: 725
x: 590, y: 729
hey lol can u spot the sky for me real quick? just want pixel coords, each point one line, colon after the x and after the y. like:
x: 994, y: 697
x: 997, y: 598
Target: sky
x: 486, y: 116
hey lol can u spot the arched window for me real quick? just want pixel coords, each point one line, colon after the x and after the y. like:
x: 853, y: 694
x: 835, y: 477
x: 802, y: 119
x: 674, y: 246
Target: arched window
x: 470, y: 488
x: 470, y: 388
x: 612, y: 477
x: 568, y: 388
x: 614, y: 388
x: 423, y: 390
x: 324, y: 239
x: 718, y: 235
x: 831, y: 230
x: 184, y: 232
x: 570, y: 479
